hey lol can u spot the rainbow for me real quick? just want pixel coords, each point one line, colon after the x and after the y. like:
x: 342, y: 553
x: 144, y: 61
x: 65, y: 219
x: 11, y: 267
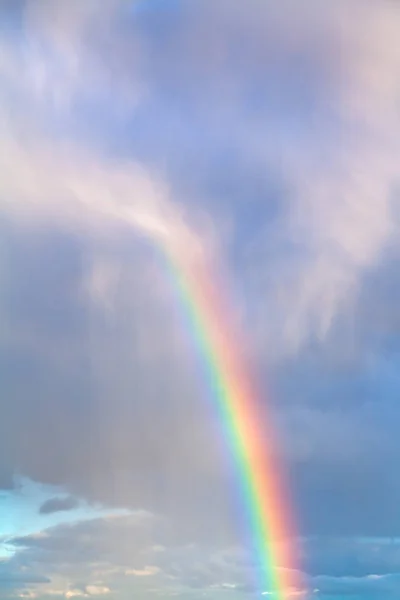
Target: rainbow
x: 268, y: 515
x: 249, y: 440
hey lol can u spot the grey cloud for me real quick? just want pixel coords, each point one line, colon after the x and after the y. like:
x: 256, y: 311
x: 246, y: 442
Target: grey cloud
x: 58, y: 384
x: 344, y: 484
x: 16, y: 578
x: 368, y: 587
x: 122, y: 555
x: 122, y: 552
x: 58, y: 504
x: 350, y: 557
x: 6, y: 477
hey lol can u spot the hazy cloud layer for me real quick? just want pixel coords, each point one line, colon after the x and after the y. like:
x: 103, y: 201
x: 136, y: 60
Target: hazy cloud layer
x: 261, y: 136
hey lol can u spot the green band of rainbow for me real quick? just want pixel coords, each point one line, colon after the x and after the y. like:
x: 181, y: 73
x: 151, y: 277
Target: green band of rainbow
x: 247, y: 436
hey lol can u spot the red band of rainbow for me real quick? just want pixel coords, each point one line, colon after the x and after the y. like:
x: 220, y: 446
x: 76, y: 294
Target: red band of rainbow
x: 250, y: 442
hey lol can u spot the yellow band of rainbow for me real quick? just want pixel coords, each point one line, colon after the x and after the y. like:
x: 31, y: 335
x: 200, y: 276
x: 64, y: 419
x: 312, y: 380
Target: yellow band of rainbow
x: 248, y: 437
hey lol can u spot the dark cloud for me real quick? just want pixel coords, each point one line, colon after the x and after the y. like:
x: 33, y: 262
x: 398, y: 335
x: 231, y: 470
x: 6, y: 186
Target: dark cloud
x: 58, y: 504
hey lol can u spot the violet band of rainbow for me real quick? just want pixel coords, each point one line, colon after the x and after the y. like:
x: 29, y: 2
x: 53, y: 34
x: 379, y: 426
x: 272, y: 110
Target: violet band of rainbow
x: 249, y: 439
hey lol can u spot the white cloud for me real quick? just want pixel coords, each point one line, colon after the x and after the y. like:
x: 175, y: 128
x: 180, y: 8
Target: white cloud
x: 97, y: 590
x: 145, y: 572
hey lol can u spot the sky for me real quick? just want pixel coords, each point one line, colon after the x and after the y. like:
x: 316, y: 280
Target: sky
x: 264, y: 136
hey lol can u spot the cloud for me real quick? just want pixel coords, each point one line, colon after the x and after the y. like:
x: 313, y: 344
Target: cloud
x: 340, y: 185
x: 58, y: 505
x: 335, y: 216
x: 6, y: 478
x: 65, y: 180
x: 370, y: 586
x: 272, y: 149
x: 85, y: 558
x: 332, y: 219
x: 19, y: 579
x: 24, y: 502
x: 349, y: 192
x: 350, y: 557
x: 97, y: 590
x: 88, y: 591
x: 146, y: 572
x: 74, y: 200
x: 119, y: 553
x: 14, y: 579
